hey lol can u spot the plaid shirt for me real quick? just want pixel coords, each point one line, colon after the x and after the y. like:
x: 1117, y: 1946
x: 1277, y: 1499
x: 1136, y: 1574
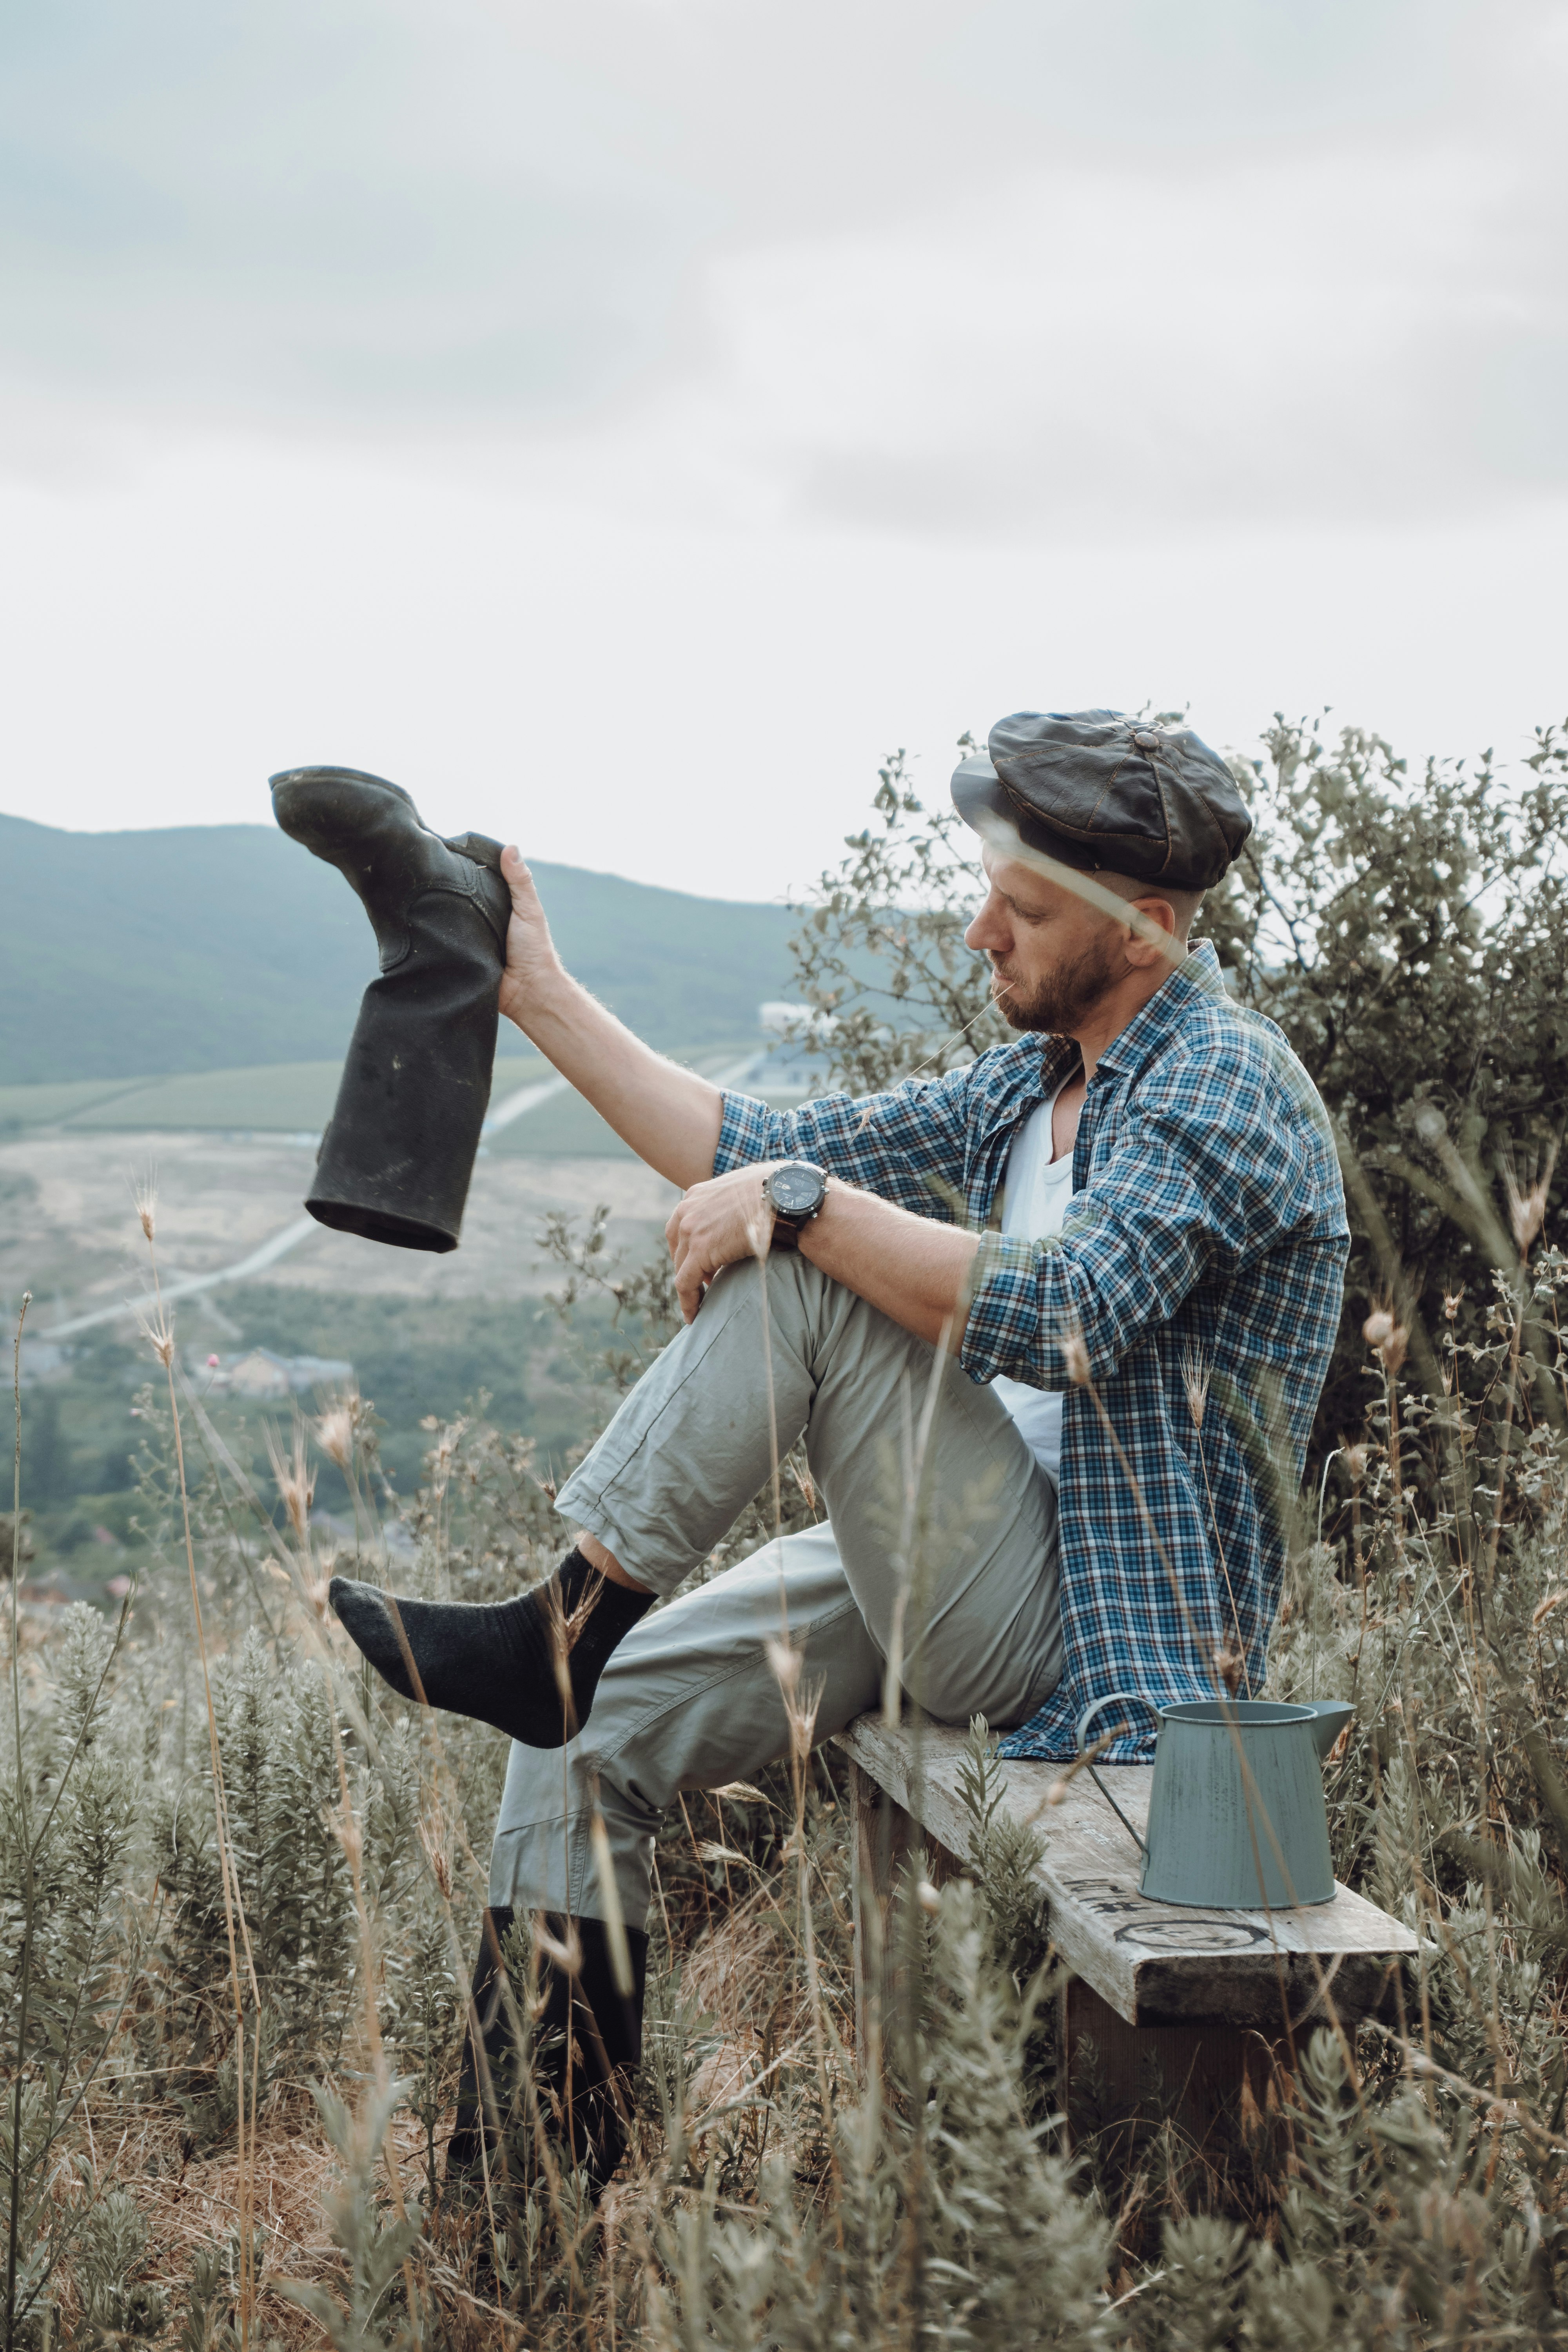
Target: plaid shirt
x: 1206, y: 1241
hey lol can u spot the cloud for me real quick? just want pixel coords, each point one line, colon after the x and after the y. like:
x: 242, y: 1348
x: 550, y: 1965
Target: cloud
x: 456, y: 387
x: 352, y: 209
x: 1344, y: 335
x: 1139, y: 76
x: 949, y: 266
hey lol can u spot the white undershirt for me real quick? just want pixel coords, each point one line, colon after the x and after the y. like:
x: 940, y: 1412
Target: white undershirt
x: 1037, y: 1189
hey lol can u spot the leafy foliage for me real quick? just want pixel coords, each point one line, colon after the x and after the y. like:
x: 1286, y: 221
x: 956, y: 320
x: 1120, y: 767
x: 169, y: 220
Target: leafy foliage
x: 377, y: 2248
x: 68, y: 1943
x: 1409, y: 935
x: 891, y: 989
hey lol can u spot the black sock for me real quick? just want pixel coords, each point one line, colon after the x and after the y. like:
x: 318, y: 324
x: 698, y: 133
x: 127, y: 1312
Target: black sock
x: 498, y: 1662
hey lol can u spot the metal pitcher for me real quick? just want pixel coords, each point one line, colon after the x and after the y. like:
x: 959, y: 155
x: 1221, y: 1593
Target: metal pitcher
x: 1237, y: 1818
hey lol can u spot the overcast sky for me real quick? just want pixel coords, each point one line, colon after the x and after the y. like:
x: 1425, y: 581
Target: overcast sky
x: 621, y: 423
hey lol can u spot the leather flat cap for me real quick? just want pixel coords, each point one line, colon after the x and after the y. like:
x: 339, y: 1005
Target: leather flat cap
x: 1095, y: 788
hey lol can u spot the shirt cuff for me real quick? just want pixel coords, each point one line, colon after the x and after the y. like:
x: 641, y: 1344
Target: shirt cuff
x: 743, y: 1135
x: 1003, y: 1333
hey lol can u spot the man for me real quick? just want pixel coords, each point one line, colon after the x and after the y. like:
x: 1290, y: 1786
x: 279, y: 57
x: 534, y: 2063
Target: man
x: 1052, y: 1327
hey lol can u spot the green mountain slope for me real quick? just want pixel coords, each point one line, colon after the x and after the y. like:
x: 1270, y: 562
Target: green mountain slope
x: 222, y: 947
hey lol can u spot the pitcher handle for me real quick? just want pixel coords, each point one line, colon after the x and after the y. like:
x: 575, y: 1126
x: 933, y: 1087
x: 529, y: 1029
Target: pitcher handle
x: 1113, y: 1698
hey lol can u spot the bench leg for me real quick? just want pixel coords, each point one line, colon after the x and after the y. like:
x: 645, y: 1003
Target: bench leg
x: 1120, y: 2082
x: 884, y: 1836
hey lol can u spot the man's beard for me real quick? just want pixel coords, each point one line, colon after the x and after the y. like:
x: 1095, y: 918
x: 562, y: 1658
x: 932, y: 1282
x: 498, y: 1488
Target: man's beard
x: 1062, y: 1001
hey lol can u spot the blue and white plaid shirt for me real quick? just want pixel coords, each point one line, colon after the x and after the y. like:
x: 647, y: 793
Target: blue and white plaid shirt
x: 1202, y: 1254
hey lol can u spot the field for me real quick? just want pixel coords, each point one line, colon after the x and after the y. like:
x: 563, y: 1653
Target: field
x: 423, y: 1333
x: 231, y: 1153
x: 272, y: 1097
x: 242, y: 1884
x: 295, y: 1099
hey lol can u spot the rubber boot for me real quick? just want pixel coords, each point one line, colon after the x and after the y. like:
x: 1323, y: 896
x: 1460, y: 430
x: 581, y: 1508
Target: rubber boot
x: 586, y: 2046
x: 399, y: 1149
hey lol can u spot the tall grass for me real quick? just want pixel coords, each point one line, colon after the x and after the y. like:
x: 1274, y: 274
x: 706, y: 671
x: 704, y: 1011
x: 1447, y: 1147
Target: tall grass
x: 242, y: 1888
x: 188, y: 2167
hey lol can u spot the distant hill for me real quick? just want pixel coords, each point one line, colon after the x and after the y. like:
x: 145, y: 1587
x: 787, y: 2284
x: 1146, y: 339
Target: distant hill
x: 223, y: 947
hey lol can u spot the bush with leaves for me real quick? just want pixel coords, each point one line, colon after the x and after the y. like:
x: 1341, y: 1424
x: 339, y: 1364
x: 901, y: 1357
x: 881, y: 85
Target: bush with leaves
x: 955, y: 2224
x: 369, y: 2314
x: 1409, y: 933
x: 280, y: 1745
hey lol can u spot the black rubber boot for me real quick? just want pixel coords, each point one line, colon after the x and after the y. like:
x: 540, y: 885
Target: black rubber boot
x: 585, y: 2048
x: 399, y: 1149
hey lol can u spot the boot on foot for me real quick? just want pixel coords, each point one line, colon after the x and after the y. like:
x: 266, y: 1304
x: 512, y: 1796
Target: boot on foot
x: 399, y: 1149
x: 500, y: 1663
x: 586, y: 2044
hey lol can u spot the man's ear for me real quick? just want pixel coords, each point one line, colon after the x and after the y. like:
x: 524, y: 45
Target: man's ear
x: 1142, y: 952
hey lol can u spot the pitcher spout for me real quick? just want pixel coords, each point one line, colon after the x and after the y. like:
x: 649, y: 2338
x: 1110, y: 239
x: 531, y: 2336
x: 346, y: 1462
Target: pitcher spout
x: 1330, y: 1717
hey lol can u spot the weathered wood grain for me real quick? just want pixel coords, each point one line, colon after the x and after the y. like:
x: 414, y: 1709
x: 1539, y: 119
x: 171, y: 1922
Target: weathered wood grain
x: 1152, y: 1963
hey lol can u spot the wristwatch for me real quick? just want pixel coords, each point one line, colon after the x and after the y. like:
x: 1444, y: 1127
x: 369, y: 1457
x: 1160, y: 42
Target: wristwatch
x: 795, y: 1190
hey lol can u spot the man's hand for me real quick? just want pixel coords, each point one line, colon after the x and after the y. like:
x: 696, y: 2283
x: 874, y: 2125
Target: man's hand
x: 670, y: 1117
x: 531, y: 962
x: 717, y: 1221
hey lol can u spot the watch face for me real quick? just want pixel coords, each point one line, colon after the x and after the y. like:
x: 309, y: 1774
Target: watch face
x: 795, y: 1188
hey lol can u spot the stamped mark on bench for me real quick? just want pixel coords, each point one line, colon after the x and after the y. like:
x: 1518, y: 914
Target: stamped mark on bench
x: 1192, y: 1935
x: 1154, y: 1925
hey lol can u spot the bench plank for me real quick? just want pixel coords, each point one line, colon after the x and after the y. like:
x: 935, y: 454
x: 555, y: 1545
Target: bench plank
x: 1152, y: 1963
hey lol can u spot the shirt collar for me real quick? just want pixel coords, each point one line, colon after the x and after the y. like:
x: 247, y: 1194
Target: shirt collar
x: 1172, y: 1004
x: 1027, y: 1073
x: 1059, y: 1056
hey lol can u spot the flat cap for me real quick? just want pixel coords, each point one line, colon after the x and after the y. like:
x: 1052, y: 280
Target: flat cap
x: 1095, y: 788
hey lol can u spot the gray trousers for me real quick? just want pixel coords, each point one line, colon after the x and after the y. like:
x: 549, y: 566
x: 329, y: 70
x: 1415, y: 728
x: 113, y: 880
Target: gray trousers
x: 939, y: 1555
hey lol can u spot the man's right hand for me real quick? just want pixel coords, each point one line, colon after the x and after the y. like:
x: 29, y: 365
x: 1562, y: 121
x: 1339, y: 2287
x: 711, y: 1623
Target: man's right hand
x: 531, y: 963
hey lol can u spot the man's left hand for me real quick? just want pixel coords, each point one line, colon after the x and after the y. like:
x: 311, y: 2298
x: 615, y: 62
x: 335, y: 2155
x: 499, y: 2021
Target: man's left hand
x: 715, y: 1224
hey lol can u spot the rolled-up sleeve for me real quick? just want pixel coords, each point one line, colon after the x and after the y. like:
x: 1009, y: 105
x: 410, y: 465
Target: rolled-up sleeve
x: 1202, y: 1178
x: 750, y: 1131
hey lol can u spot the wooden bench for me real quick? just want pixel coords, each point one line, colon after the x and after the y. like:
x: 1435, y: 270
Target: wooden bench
x: 1194, y: 2000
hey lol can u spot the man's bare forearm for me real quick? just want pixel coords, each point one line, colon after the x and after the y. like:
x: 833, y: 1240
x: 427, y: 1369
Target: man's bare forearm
x: 669, y: 1116
x: 919, y: 1272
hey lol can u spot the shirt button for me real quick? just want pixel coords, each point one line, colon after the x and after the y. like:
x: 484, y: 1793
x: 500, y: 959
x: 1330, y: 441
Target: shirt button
x: 1146, y: 740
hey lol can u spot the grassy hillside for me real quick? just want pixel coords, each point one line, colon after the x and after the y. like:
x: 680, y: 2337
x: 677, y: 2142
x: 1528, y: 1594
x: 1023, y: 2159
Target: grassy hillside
x: 272, y: 1097
x: 210, y: 948
x: 297, y: 1099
